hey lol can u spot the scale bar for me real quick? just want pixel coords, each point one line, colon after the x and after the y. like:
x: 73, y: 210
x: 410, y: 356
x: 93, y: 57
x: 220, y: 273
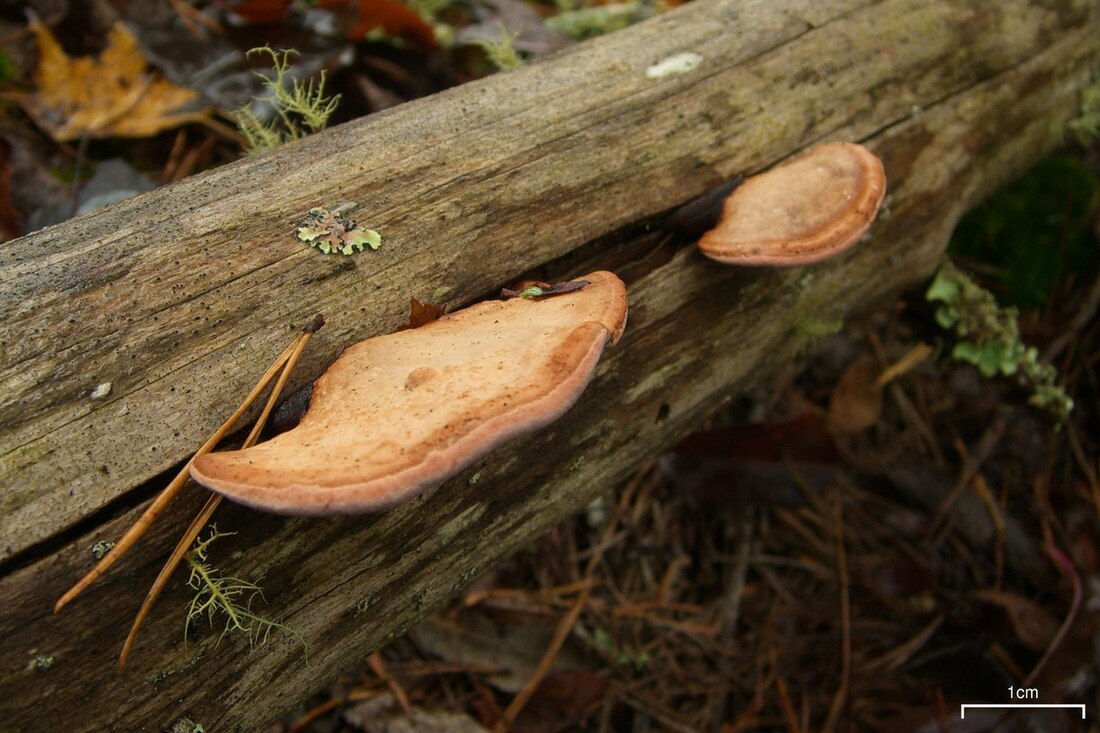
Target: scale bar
x: 1021, y: 705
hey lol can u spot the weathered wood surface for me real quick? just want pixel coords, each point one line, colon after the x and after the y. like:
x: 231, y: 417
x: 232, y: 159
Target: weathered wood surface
x: 180, y: 298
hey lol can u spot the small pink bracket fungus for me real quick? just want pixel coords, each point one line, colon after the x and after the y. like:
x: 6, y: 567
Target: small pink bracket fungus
x: 805, y: 210
x: 398, y: 413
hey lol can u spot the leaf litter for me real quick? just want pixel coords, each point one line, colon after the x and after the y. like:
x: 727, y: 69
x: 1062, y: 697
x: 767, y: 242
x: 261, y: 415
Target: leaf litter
x: 110, y: 95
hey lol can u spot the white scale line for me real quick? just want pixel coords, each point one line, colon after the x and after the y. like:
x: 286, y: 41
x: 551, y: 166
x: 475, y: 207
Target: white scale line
x: 1021, y: 705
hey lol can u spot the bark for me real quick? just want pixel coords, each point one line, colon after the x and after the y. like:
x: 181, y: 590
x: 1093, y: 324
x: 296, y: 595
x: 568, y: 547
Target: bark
x: 180, y: 298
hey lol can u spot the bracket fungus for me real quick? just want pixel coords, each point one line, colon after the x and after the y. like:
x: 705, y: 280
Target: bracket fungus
x: 805, y: 210
x: 398, y: 413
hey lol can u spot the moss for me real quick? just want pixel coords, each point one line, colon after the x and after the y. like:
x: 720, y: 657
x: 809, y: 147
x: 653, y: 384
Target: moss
x: 501, y: 51
x: 300, y: 108
x: 1035, y: 233
x: 814, y: 329
x: 582, y: 23
x: 1086, y: 127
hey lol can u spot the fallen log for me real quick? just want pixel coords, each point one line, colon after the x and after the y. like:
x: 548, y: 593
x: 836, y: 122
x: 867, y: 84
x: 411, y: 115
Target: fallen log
x: 179, y: 298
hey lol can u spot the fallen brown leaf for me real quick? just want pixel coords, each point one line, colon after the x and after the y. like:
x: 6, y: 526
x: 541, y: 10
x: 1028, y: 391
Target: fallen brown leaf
x: 112, y: 95
x: 421, y: 314
x: 857, y: 399
x: 382, y: 714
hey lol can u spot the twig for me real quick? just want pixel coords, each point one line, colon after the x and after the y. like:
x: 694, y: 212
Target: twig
x: 374, y: 661
x: 1066, y: 566
x: 985, y: 494
x: 1091, y: 471
x: 841, y: 696
x: 941, y: 524
x: 1069, y: 333
x: 565, y: 625
x: 789, y: 714
x: 309, y: 716
x: 731, y: 600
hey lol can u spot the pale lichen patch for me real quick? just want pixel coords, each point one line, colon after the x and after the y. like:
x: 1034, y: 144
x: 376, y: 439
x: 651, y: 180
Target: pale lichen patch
x: 675, y: 65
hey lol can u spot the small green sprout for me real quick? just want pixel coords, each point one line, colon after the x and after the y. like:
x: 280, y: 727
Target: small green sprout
x: 532, y: 291
x: 815, y: 329
x: 989, y: 338
x: 301, y: 108
x: 335, y: 234
x: 604, y: 642
x: 540, y: 290
x: 217, y: 596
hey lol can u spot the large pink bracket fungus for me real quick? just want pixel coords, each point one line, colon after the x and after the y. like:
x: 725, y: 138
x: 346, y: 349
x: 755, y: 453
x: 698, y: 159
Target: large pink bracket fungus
x: 805, y: 210
x: 399, y: 413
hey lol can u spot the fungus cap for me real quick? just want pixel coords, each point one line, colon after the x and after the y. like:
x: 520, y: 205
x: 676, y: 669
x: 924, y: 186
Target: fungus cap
x: 805, y: 210
x: 399, y: 413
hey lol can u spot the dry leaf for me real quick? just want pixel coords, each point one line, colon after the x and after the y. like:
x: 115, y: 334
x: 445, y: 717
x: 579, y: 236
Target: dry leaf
x: 260, y: 11
x: 395, y: 20
x: 561, y: 701
x: 1033, y: 625
x: 382, y: 714
x: 857, y: 399
x: 421, y: 314
x: 391, y: 17
x: 112, y: 95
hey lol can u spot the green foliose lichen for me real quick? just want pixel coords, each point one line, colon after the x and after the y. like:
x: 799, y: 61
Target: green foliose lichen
x: 988, y: 337
x: 335, y: 234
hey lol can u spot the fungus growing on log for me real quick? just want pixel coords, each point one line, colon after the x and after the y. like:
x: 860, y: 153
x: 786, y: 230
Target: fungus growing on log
x: 398, y: 413
x: 805, y: 210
